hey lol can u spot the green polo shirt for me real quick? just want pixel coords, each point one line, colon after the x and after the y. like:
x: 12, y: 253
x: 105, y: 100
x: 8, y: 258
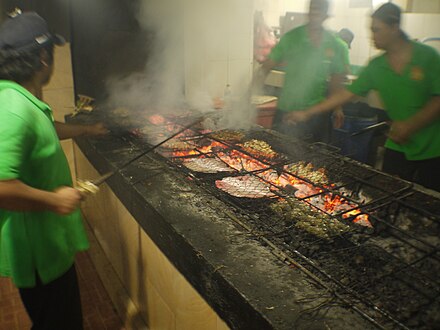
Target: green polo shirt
x: 405, y: 94
x: 30, y: 150
x: 308, y: 67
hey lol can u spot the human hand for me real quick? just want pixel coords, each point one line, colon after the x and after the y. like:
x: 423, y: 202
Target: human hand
x: 297, y: 117
x: 338, y: 118
x: 400, y: 132
x: 97, y: 129
x: 66, y: 200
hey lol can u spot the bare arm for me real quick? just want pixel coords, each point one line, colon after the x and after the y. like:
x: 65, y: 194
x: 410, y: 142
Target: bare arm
x: 17, y: 196
x: 336, y: 100
x: 68, y: 131
x: 401, y: 131
x: 336, y: 85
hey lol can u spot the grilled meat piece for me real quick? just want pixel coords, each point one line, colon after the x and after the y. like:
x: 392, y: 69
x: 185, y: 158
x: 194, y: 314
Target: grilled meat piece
x: 306, y: 171
x: 308, y: 219
x: 207, y: 165
x: 258, y: 147
x: 228, y: 135
x: 244, y: 186
x: 177, y: 145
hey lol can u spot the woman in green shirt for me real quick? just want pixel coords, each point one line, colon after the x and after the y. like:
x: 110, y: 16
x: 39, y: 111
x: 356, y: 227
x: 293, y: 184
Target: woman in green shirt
x: 407, y: 77
x: 40, y: 224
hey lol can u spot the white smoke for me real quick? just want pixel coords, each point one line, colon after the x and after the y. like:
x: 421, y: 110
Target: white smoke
x: 185, y: 33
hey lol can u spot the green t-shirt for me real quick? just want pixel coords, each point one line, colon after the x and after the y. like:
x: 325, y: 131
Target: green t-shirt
x: 308, y: 67
x: 345, y: 53
x: 405, y: 94
x: 30, y: 151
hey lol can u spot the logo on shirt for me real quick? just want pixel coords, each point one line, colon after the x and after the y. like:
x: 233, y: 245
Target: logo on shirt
x: 417, y: 73
x: 329, y: 52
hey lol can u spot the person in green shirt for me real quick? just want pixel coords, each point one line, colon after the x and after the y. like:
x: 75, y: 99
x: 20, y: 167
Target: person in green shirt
x: 40, y: 224
x: 313, y: 58
x: 407, y: 77
x: 346, y: 37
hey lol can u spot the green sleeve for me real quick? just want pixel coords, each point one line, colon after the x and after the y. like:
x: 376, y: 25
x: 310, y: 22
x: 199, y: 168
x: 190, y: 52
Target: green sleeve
x: 346, y: 55
x: 342, y: 58
x: 435, y: 73
x: 13, y: 144
x: 364, y: 83
x: 278, y: 52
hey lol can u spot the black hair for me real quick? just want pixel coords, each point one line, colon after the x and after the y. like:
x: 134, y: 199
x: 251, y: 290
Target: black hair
x: 388, y: 13
x: 322, y: 4
x: 20, y: 66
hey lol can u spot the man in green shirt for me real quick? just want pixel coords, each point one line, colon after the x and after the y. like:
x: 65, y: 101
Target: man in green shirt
x: 313, y: 58
x: 407, y: 77
x: 346, y: 38
x: 40, y: 224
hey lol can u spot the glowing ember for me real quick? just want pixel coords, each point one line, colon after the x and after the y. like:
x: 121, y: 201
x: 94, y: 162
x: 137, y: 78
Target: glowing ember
x: 156, y: 120
x: 200, y: 150
x: 301, y: 176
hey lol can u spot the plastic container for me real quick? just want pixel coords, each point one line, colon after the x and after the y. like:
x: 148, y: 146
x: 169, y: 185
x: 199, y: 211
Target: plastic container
x: 356, y: 147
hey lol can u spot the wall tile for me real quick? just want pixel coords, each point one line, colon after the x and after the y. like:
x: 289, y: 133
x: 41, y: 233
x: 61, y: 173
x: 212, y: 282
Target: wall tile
x: 215, y: 77
x: 240, y: 74
x: 240, y: 47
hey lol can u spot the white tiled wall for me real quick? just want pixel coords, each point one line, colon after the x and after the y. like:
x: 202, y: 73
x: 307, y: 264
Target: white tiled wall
x: 218, y: 47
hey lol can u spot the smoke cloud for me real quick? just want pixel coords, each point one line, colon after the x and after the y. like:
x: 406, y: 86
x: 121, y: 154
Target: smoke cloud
x: 185, y: 31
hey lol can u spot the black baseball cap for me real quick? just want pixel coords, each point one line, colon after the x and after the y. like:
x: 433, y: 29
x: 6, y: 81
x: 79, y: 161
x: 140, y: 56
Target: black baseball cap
x: 346, y: 35
x: 26, y: 31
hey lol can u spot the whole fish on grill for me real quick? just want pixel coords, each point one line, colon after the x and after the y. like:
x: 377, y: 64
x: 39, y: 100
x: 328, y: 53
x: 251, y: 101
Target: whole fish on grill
x: 258, y: 147
x: 177, y: 145
x: 245, y: 186
x: 207, y: 165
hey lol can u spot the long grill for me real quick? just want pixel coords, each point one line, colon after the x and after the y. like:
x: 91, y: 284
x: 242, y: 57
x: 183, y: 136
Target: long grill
x: 369, y: 239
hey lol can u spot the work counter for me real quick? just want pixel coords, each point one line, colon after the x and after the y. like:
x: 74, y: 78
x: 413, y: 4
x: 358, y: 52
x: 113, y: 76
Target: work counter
x: 181, y: 257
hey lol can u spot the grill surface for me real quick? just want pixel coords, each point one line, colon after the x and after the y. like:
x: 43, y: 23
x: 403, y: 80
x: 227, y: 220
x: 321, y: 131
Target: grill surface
x: 381, y: 255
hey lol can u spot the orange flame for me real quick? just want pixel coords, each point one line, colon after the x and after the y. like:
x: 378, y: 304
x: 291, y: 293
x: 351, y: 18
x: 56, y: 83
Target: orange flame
x: 328, y: 202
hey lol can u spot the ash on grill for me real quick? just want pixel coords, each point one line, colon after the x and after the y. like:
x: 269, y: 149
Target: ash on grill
x: 369, y: 239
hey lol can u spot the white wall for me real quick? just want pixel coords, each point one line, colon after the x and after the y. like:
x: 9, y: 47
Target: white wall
x: 218, y: 47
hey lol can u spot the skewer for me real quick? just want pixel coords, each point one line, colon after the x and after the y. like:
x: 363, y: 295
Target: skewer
x: 91, y: 186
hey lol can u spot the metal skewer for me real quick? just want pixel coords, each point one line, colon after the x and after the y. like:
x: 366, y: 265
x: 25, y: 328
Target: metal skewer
x: 370, y: 128
x: 91, y: 186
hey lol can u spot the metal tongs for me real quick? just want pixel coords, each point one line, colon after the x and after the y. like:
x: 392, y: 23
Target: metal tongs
x: 83, y: 104
x: 91, y: 186
x: 367, y: 129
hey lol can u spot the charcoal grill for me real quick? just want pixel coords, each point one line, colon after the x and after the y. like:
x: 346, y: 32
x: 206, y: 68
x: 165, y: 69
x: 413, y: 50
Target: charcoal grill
x: 386, y: 272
